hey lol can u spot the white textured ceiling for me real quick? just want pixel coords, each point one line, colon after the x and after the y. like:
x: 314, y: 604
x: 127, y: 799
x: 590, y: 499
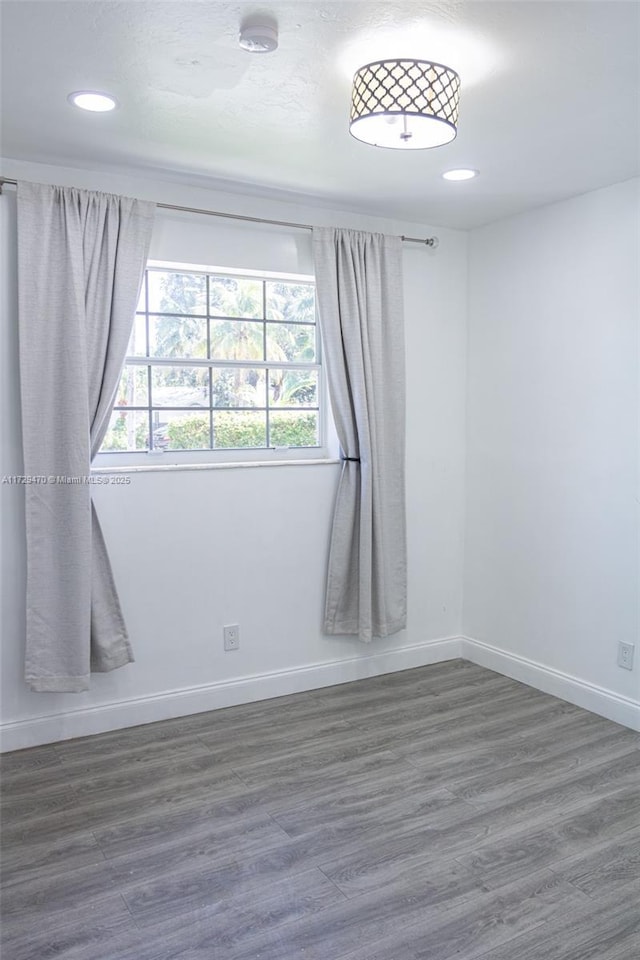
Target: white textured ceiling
x: 549, y: 103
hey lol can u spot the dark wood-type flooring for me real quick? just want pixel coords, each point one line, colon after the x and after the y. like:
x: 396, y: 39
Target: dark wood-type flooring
x: 444, y: 812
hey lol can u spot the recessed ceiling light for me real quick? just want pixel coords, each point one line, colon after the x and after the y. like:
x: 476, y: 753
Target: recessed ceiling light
x: 92, y: 100
x: 462, y: 174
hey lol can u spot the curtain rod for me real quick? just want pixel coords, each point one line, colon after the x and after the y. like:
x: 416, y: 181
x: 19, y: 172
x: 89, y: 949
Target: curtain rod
x: 428, y: 242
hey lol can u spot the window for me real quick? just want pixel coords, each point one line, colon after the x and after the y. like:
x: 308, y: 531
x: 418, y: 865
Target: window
x: 219, y: 361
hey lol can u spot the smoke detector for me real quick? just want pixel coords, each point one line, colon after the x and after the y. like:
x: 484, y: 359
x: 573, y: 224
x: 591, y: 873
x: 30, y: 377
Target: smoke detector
x: 258, y: 37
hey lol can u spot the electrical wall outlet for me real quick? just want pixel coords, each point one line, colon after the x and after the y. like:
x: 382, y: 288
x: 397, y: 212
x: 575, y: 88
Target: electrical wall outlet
x: 625, y: 655
x: 231, y: 636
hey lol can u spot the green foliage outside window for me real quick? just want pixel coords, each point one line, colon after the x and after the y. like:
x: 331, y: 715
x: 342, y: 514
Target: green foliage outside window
x: 246, y: 429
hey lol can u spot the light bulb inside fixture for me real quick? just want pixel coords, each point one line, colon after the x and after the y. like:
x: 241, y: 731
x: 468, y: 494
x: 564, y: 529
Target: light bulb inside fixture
x: 461, y: 174
x: 93, y: 101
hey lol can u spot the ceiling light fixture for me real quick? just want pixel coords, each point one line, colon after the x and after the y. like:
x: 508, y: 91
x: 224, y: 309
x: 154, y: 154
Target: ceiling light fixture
x: 461, y: 174
x: 258, y: 37
x: 405, y: 104
x: 92, y: 100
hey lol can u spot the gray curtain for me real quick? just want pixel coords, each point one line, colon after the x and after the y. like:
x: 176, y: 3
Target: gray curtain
x: 359, y: 289
x: 81, y: 258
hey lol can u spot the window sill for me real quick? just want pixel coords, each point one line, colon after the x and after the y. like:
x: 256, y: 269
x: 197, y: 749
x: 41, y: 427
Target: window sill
x: 222, y: 465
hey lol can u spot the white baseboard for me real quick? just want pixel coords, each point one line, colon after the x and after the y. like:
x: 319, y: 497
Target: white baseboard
x: 190, y: 700
x: 185, y: 701
x: 597, y: 699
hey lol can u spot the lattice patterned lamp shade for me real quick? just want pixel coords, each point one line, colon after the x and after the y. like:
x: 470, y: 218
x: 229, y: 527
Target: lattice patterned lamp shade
x: 406, y: 104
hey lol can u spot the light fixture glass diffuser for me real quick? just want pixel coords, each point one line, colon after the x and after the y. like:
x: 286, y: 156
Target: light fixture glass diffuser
x: 405, y: 104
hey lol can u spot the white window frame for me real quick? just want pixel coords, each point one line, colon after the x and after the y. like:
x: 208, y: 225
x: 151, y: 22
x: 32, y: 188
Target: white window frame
x: 327, y: 448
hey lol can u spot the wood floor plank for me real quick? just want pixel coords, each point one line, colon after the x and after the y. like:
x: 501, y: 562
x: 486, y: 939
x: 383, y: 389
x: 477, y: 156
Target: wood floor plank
x: 160, y: 894
x: 47, y: 900
x: 132, y: 758
x: 437, y: 711
x: 602, y: 871
x: 27, y: 861
x: 523, y: 777
x: 492, y: 723
x: 136, y: 782
x: 485, y: 922
x: 391, y: 853
x: 249, y: 746
x: 80, y: 933
x: 19, y: 810
x: 442, y: 879
x: 543, y: 737
x: 605, y: 930
x: 563, y: 793
x: 104, y: 747
x: 25, y: 782
x: 342, y: 927
x: 294, y: 765
x: 98, y: 810
x: 401, y: 739
x: 435, y: 674
x: 185, y: 855
x: 528, y: 849
x: 412, y: 802
x: 364, y: 776
x: 30, y: 760
x: 444, y: 812
x: 221, y: 928
x: 424, y: 692
x: 400, y: 916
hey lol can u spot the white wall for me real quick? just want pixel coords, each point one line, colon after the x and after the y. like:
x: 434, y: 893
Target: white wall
x: 551, y: 569
x: 194, y: 550
x: 551, y: 556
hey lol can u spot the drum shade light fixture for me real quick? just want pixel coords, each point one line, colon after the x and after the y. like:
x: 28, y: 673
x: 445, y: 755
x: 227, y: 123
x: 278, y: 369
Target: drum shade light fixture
x: 405, y: 104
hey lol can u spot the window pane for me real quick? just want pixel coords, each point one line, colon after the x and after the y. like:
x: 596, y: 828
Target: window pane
x: 241, y: 352
x: 243, y: 428
x: 180, y: 386
x: 142, y: 302
x: 293, y: 342
x: 133, y: 389
x: 138, y: 339
x: 237, y: 340
x: 292, y: 302
x: 293, y: 388
x: 180, y: 337
x: 180, y: 430
x: 288, y: 428
x: 177, y: 292
x: 128, y: 430
x: 232, y: 297
x: 239, y: 387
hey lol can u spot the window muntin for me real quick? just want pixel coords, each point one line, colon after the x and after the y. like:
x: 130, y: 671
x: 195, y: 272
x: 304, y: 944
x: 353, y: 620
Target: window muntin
x: 219, y: 362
